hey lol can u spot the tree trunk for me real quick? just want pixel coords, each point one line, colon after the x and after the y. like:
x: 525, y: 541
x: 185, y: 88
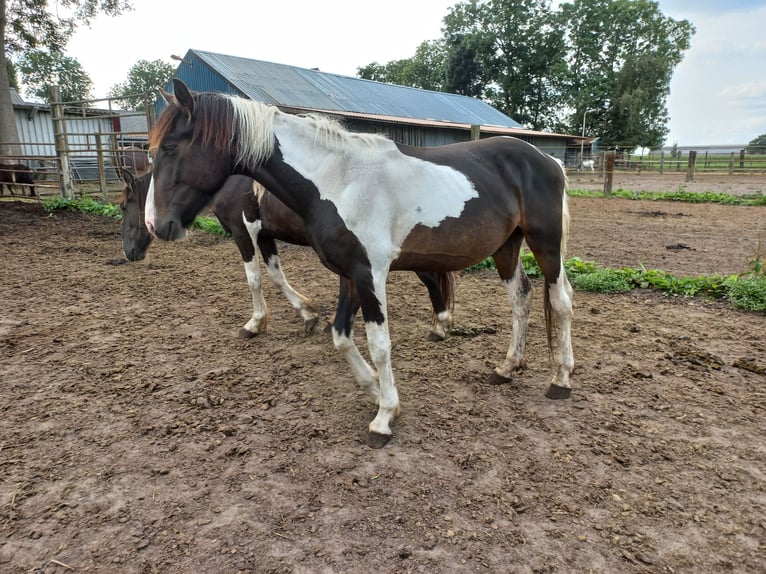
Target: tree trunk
x: 9, y: 134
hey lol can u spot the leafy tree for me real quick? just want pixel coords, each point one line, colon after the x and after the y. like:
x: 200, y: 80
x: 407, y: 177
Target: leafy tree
x: 464, y: 73
x: 758, y: 145
x: 425, y: 70
x: 518, y: 46
x: 144, y: 77
x: 621, y: 55
x: 40, y: 70
x: 30, y: 24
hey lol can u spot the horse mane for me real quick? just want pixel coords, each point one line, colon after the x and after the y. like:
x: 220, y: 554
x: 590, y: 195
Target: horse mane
x: 246, y: 127
x: 213, y: 122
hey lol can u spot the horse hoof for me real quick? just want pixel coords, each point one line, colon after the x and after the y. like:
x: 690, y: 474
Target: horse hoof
x: 435, y: 337
x: 377, y: 440
x: 310, y: 326
x: 497, y: 379
x: 558, y: 392
x: 245, y: 334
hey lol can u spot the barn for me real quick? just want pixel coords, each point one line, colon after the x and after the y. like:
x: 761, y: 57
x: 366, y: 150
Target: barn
x: 406, y: 115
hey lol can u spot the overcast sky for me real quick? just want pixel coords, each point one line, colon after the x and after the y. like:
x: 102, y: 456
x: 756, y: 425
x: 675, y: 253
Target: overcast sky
x: 718, y: 93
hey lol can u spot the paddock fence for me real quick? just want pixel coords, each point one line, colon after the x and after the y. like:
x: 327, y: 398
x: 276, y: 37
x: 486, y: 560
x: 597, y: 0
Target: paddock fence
x: 81, y: 149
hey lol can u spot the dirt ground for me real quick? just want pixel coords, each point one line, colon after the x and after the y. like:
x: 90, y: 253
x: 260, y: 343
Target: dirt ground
x: 138, y: 434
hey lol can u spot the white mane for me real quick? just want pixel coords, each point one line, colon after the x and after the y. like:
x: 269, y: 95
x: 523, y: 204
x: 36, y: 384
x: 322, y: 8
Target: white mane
x: 254, y: 124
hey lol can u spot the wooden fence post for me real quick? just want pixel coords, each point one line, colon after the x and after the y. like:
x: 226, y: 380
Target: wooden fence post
x: 59, y: 137
x: 475, y: 132
x: 662, y: 162
x: 731, y: 163
x: 608, y: 172
x: 691, y: 165
x: 101, y: 170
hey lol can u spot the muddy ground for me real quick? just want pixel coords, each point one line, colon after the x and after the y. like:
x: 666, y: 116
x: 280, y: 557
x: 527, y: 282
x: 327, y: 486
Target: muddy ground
x: 139, y: 434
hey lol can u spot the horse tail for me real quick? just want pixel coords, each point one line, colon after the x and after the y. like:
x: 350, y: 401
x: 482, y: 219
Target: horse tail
x: 564, y: 216
x: 447, y: 288
x: 550, y: 327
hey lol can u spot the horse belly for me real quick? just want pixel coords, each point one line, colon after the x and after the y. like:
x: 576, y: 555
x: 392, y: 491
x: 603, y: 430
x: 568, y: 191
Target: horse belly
x: 449, y: 247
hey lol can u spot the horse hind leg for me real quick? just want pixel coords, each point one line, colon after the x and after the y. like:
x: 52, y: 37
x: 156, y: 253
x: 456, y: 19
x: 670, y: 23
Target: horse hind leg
x: 558, y: 310
x: 519, y: 288
x: 441, y: 292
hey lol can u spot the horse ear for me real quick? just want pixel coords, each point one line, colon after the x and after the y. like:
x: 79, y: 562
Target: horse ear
x: 168, y: 97
x: 183, y: 96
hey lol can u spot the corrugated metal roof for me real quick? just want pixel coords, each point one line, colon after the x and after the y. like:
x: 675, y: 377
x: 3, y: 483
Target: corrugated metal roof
x: 16, y: 99
x: 290, y: 86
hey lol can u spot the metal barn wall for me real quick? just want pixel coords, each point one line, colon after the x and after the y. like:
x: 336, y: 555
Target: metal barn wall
x: 35, y: 132
x: 35, y: 127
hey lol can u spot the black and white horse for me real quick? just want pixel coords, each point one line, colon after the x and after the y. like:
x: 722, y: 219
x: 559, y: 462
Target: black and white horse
x: 371, y: 206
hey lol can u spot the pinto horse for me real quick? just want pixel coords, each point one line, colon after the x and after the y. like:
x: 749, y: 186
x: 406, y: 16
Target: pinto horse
x: 371, y: 206
x: 255, y: 218
x: 15, y: 174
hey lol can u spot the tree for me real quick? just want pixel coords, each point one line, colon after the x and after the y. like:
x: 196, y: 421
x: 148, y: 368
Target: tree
x: 758, y: 145
x: 40, y: 70
x: 28, y: 25
x: 143, y: 78
x: 621, y: 55
x: 518, y: 56
x: 425, y: 70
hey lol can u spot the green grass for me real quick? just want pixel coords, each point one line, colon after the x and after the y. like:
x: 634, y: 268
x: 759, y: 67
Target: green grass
x: 745, y: 291
x: 679, y: 195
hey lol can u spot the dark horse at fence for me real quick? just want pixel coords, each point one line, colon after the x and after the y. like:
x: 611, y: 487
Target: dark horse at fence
x: 14, y: 174
x: 371, y: 206
x: 255, y: 218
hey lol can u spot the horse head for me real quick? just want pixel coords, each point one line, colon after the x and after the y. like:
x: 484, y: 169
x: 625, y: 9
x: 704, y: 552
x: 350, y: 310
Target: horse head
x: 135, y: 236
x: 191, y: 144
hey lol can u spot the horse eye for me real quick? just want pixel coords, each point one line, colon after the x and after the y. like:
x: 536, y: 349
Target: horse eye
x: 168, y: 147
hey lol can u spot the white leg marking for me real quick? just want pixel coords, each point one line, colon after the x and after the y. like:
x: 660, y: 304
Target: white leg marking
x: 561, y: 301
x: 299, y: 302
x: 379, y: 343
x: 259, y: 320
x: 364, y: 374
x: 520, y: 294
x: 441, y: 324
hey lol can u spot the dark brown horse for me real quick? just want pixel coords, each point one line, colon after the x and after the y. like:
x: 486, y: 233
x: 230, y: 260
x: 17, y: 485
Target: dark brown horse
x: 16, y: 174
x: 371, y: 206
x: 254, y: 217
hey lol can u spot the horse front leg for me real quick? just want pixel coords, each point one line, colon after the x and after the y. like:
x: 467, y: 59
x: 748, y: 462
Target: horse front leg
x: 260, y: 318
x: 300, y: 303
x: 379, y: 343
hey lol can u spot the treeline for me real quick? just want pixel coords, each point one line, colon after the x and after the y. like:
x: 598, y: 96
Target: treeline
x: 586, y: 63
